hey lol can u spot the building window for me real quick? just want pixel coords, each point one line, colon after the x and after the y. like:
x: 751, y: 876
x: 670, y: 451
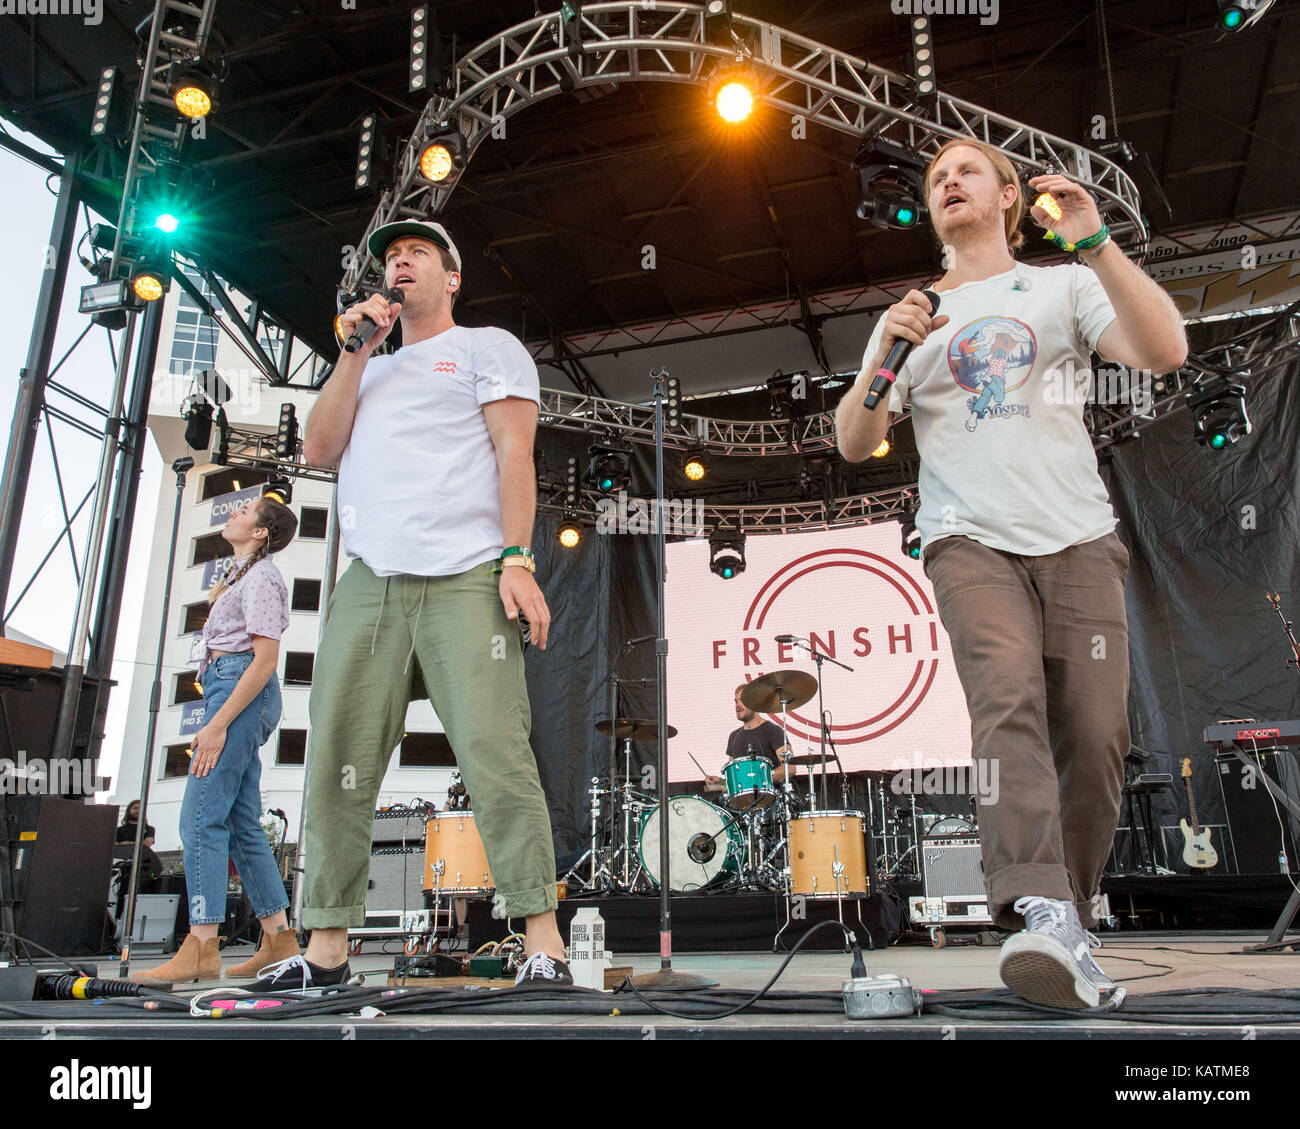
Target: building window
x: 228, y: 481
x: 313, y: 523
x: 292, y: 747
x: 425, y: 750
x: 306, y: 596
x: 298, y: 668
x: 186, y: 688
x: 177, y: 762
x: 194, y: 341
x: 210, y: 547
x: 196, y: 615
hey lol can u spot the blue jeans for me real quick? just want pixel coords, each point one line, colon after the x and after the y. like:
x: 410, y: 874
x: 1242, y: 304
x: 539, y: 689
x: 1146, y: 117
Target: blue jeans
x: 220, y: 817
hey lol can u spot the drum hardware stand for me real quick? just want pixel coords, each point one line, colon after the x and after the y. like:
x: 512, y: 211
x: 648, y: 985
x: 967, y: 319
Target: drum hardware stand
x: 592, y: 852
x: 819, y: 659
x: 665, y: 978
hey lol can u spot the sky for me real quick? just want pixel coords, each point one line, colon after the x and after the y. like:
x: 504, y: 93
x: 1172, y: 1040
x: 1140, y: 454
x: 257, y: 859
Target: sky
x: 46, y: 612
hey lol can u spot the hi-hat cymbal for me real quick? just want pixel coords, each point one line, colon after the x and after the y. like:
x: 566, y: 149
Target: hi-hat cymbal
x: 637, y: 728
x: 764, y: 695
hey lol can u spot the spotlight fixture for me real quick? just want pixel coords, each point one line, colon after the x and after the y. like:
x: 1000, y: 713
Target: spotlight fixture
x: 279, y: 488
x: 419, y: 74
x: 286, y: 435
x: 733, y: 90
x: 443, y: 157
x: 150, y: 279
x: 1219, y: 415
x: 923, y: 57
x: 1231, y: 15
x: 696, y: 466
x: 197, y: 414
x: 672, y: 404
x: 881, y: 451
x: 569, y: 533
x: 193, y: 89
x: 889, y: 179
x: 571, y: 487
x: 372, y: 155
x: 608, y: 470
x: 726, y: 553
x: 911, y: 545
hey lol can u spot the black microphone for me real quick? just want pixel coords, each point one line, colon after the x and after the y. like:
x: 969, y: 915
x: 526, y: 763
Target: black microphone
x: 789, y: 639
x: 366, y: 330
x: 638, y: 641
x: 888, y: 372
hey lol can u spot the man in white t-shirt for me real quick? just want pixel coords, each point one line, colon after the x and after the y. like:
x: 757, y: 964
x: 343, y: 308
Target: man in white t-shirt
x: 1018, y: 534
x: 436, y: 494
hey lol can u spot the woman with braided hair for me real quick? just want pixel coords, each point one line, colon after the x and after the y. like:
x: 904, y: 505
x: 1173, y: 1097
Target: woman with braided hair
x: 220, y: 818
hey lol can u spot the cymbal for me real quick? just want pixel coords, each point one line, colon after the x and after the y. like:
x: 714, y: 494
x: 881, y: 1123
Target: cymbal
x: 814, y: 758
x: 637, y: 728
x: 764, y: 695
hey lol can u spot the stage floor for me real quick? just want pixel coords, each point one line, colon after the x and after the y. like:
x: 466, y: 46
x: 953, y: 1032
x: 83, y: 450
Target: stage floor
x: 964, y: 999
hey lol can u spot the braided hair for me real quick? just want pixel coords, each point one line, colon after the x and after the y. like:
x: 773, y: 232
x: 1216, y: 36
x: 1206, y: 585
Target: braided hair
x: 280, y: 524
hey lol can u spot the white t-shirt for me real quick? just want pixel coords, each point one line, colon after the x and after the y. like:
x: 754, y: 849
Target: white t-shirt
x: 419, y: 491
x: 997, y: 398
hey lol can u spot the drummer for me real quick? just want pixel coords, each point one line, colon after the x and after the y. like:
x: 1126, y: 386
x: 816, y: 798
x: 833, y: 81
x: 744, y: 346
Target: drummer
x: 755, y: 737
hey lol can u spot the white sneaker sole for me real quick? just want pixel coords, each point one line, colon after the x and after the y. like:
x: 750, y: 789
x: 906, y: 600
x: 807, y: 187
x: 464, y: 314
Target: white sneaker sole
x: 1041, y: 971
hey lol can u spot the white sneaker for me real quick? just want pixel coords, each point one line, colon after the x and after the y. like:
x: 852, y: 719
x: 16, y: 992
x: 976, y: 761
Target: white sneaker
x: 1048, y: 962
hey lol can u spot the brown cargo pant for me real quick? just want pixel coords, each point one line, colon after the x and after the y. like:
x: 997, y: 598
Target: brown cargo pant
x: 1041, y: 648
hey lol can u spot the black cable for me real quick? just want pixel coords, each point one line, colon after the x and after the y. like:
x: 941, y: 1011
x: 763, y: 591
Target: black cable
x: 753, y: 999
x: 28, y: 945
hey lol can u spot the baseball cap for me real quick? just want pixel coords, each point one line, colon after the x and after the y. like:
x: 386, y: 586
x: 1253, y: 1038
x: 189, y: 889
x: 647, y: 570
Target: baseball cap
x: 381, y: 237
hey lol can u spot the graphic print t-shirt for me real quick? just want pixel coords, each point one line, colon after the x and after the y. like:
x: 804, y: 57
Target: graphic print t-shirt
x: 997, y: 398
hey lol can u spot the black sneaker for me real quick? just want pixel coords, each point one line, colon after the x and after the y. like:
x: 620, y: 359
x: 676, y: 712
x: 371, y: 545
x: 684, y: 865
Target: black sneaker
x: 541, y: 971
x: 298, y: 974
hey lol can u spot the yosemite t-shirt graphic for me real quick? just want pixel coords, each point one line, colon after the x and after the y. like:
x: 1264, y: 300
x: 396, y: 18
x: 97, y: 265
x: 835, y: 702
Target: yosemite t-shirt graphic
x: 990, y: 357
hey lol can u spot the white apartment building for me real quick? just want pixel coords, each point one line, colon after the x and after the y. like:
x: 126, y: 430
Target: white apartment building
x: 190, y: 343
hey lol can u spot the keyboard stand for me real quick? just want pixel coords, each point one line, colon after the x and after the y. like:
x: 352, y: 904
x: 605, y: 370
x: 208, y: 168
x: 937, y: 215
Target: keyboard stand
x: 1276, y: 942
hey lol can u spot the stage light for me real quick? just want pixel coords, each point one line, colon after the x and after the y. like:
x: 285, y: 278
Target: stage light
x: 197, y: 414
x: 443, y: 157
x: 372, y: 155
x: 672, y: 404
x: 149, y: 280
x: 911, y: 545
x: 221, y: 452
x: 726, y: 554
x: 193, y: 90
x: 571, y: 489
x: 1231, y: 15
x: 696, y: 466
x: 570, y: 533
x: 716, y: 7
x: 166, y: 222
x: 608, y: 470
x: 109, y: 117
x: 418, y: 76
x: 280, y: 489
x: 881, y: 451
x: 891, y: 195
x: 286, y: 435
x: 733, y: 90
x: 1219, y: 416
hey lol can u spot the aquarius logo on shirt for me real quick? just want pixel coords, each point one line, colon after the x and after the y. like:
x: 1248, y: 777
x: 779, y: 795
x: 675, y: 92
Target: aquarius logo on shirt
x: 990, y: 357
x: 445, y: 366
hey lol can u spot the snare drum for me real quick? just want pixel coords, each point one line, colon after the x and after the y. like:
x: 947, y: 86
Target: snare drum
x: 748, y: 783
x: 818, y: 842
x: 452, y: 843
x: 705, y: 845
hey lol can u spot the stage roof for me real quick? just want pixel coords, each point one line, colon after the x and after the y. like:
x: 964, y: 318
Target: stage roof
x: 551, y: 219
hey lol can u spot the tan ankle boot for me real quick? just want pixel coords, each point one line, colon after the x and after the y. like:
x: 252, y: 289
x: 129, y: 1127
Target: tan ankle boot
x: 274, y: 947
x: 196, y: 960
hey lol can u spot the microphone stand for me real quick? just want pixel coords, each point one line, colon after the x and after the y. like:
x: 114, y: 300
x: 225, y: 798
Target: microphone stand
x: 665, y: 978
x: 819, y: 659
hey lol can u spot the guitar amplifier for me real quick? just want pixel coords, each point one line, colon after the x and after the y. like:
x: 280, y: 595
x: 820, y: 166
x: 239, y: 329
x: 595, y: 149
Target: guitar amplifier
x: 951, y: 865
x: 400, y: 827
x: 396, y: 880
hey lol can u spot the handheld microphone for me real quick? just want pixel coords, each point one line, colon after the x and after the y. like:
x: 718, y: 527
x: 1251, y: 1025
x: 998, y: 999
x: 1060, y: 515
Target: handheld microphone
x: 366, y: 330
x: 888, y: 372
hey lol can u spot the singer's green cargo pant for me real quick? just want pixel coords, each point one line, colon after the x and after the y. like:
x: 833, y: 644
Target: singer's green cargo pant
x: 386, y: 639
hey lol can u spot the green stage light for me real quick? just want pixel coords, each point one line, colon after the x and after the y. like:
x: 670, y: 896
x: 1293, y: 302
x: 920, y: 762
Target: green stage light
x: 167, y: 222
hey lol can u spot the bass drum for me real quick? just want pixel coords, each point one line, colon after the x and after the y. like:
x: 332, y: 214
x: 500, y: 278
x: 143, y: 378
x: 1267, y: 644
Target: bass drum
x: 705, y: 845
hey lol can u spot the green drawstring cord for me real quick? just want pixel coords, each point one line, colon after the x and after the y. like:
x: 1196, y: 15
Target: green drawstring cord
x: 415, y: 634
x: 382, y: 601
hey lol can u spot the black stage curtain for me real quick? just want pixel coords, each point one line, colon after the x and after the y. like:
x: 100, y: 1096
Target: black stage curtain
x: 1209, y: 533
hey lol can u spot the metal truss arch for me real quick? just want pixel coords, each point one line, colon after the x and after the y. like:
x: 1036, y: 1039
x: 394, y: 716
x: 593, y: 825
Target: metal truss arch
x: 667, y: 41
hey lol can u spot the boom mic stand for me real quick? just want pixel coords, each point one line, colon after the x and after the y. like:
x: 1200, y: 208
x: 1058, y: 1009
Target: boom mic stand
x: 665, y: 977
x: 819, y: 658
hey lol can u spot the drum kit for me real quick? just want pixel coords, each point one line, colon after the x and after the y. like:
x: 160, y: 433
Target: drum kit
x: 761, y: 835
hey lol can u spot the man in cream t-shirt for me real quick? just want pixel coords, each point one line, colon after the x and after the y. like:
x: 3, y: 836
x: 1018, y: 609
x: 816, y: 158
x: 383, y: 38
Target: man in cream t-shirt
x: 1018, y: 535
